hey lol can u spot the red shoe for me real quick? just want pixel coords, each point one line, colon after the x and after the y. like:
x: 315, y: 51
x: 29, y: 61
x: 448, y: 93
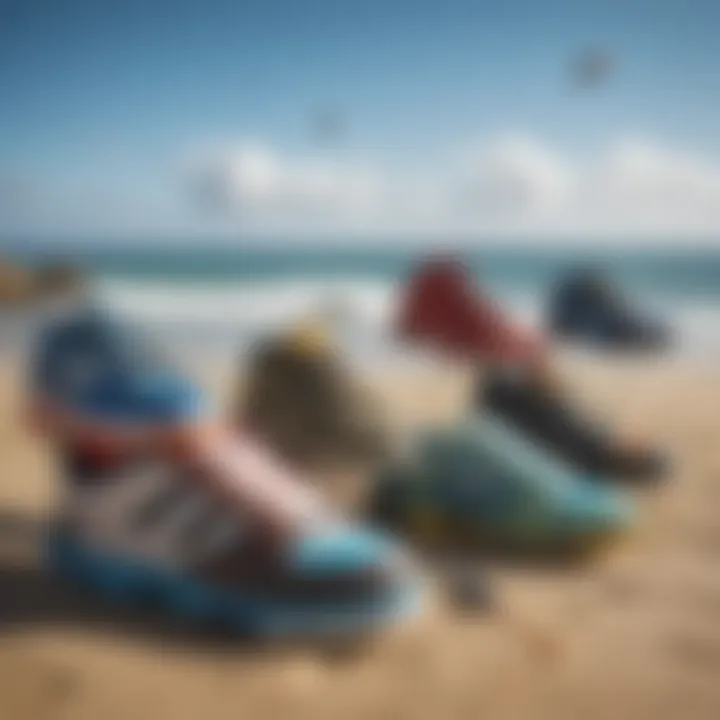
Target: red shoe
x: 441, y: 307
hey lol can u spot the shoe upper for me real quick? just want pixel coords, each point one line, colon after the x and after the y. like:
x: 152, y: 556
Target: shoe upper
x: 307, y: 405
x: 94, y: 366
x: 587, y: 305
x: 160, y: 516
x: 549, y: 419
x: 485, y: 471
x: 441, y: 306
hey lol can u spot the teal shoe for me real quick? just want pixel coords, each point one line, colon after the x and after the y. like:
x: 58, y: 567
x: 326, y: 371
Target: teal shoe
x: 480, y: 481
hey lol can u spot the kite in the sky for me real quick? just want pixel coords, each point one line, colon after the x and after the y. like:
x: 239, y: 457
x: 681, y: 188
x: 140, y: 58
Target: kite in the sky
x: 592, y: 68
x: 328, y: 125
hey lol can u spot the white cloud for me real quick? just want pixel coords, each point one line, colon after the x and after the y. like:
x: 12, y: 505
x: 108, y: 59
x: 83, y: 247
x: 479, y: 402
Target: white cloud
x: 514, y: 175
x: 253, y: 178
x: 513, y: 184
x: 647, y: 185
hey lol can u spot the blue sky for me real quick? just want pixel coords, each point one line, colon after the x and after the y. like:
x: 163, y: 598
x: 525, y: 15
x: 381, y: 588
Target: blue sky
x: 110, y: 112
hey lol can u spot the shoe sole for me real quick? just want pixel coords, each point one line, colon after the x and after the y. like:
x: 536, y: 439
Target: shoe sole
x: 137, y: 584
x: 437, y: 529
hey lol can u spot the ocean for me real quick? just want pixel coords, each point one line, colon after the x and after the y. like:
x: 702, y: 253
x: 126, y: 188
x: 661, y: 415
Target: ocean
x: 211, y: 297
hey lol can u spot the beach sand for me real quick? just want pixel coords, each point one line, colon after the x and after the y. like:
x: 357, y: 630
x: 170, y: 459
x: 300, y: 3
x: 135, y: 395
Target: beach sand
x: 636, y: 634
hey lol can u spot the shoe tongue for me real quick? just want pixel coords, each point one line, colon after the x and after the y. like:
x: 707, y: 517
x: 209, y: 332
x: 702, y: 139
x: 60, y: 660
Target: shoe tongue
x: 259, y: 484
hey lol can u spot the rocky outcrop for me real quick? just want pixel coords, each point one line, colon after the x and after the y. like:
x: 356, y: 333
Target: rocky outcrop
x: 21, y: 286
x: 16, y: 284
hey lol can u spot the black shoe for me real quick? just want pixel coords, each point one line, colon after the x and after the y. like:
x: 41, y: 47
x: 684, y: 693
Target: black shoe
x: 551, y: 421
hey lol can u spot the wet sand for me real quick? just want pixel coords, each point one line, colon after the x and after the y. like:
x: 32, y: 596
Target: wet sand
x: 635, y: 634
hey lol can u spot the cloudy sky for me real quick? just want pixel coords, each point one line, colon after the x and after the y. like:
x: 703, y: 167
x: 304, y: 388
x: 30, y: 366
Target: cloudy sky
x: 360, y: 118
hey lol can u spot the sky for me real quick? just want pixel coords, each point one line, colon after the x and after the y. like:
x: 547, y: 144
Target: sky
x: 359, y: 119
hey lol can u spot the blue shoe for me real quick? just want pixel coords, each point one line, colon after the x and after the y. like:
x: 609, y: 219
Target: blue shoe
x: 480, y: 482
x: 587, y: 307
x: 156, y: 528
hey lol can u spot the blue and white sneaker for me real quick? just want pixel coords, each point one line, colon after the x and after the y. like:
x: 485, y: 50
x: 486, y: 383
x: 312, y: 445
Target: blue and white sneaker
x: 212, y: 528
x: 95, y: 367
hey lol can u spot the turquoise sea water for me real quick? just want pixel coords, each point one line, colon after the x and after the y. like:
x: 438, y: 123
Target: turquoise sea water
x: 689, y: 272
x: 217, y: 294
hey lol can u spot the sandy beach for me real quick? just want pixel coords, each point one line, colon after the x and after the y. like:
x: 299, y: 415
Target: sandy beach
x: 636, y: 634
